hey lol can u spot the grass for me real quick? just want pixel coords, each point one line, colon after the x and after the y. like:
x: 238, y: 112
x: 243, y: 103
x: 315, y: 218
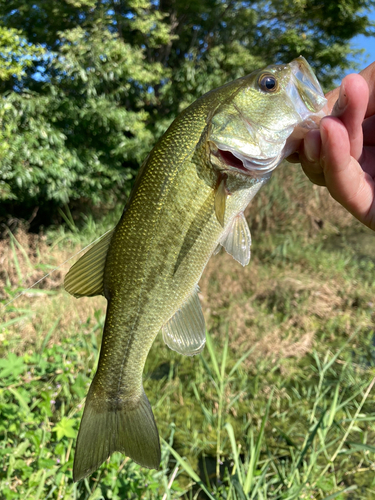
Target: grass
x: 280, y: 405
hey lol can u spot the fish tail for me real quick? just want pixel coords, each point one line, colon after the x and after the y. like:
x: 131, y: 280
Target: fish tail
x: 125, y: 425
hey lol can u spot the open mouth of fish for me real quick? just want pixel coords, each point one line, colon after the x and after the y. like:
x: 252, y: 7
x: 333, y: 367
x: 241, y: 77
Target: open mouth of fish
x: 307, y: 98
x: 247, y: 165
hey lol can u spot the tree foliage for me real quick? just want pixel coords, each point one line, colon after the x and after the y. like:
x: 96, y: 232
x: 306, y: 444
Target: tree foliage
x: 88, y: 86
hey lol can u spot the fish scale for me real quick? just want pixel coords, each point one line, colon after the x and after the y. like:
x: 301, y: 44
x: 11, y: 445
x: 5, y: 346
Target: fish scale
x: 188, y: 198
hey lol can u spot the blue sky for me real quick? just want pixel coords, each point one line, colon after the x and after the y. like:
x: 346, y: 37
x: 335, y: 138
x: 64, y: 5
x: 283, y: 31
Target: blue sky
x: 367, y: 43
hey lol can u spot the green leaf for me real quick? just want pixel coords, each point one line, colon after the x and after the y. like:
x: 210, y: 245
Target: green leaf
x: 65, y: 428
x: 12, y: 366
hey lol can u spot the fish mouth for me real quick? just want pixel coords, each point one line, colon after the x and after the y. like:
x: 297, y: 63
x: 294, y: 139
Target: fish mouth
x: 306, y: 98
x: 241, y: 160
x: 243, y: 164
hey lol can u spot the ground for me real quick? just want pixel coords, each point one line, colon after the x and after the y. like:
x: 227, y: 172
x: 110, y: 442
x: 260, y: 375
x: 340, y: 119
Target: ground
x: 281, y: 395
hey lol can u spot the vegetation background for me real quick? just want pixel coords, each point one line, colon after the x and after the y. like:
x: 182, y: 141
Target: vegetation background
x: 279, y: 406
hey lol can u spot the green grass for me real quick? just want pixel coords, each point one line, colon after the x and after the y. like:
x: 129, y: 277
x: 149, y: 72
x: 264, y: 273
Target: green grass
x: 280, y: 405
x: 283, y: 437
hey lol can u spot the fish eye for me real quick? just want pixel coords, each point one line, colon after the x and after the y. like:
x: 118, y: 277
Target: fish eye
x: 268, y: 83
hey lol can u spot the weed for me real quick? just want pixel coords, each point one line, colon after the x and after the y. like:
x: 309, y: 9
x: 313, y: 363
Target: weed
x: 279, y: 405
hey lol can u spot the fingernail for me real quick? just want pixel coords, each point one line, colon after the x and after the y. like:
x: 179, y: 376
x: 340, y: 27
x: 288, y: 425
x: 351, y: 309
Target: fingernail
x: 341, y: 102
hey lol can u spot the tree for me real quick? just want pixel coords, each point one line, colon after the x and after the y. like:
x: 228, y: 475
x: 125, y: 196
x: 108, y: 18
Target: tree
x: 88, y: 86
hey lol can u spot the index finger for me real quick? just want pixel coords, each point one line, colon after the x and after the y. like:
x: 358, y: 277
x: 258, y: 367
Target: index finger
x: 369, y: 75
x: 351, y: 107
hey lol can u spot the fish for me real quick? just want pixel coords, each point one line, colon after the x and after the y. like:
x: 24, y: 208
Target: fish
x: 187, y: 202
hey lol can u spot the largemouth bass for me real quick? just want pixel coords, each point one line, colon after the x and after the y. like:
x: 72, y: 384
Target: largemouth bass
x: 188, y: 199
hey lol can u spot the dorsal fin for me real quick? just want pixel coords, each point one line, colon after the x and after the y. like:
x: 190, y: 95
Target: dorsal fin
x: 185, y: 332
x: 85, y: 277
x: 237, y: 240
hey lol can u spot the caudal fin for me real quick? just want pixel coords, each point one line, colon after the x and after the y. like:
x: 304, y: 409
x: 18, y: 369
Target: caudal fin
x: 129, y: 428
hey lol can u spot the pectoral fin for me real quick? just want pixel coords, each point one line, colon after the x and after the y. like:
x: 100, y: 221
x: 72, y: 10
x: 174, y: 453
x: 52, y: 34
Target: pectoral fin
x: 237, y: 240
x: 85, y: 277
x: 220, y: 201
x: 185, y: 332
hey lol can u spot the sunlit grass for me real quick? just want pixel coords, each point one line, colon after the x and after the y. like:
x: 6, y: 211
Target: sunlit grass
x: 280, y: 405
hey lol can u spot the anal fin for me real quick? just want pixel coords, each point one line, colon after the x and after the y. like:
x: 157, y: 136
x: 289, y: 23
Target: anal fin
x: 237, y: 240
x: 185, y: 332
x: 85, y: 277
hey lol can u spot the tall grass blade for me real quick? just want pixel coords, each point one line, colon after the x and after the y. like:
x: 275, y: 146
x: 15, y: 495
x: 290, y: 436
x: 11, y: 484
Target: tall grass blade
x: 256, y: 452
x: 188, y: 469
x: 239, y: 362
x: 68, y: 219
x: 20, y: 248
x: 232, y: 439
x: 39, y: 491
x: 224, y: 359
x: 352, y: 423
x: 260, y: 481
x: 213, y: 356
x: 20, y: 399
x: 15, y: 320
x: 335, y: 495
x: 310, y: 439
x: 49, y: 335
x: 337, y: 354
x: 333, y: 409
x: 206, y: 412
x: 238, y: 488
x: 288, y: 441
x: 359, y: 447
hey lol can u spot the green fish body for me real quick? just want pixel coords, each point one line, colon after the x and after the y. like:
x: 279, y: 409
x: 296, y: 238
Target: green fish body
x: 188, y: 199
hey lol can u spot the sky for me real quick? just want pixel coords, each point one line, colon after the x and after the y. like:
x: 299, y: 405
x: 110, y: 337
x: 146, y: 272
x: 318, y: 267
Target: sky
x: 367, y: 43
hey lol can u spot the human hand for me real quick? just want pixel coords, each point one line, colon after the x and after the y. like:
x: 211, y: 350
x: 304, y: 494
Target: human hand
x: 341, y: 154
